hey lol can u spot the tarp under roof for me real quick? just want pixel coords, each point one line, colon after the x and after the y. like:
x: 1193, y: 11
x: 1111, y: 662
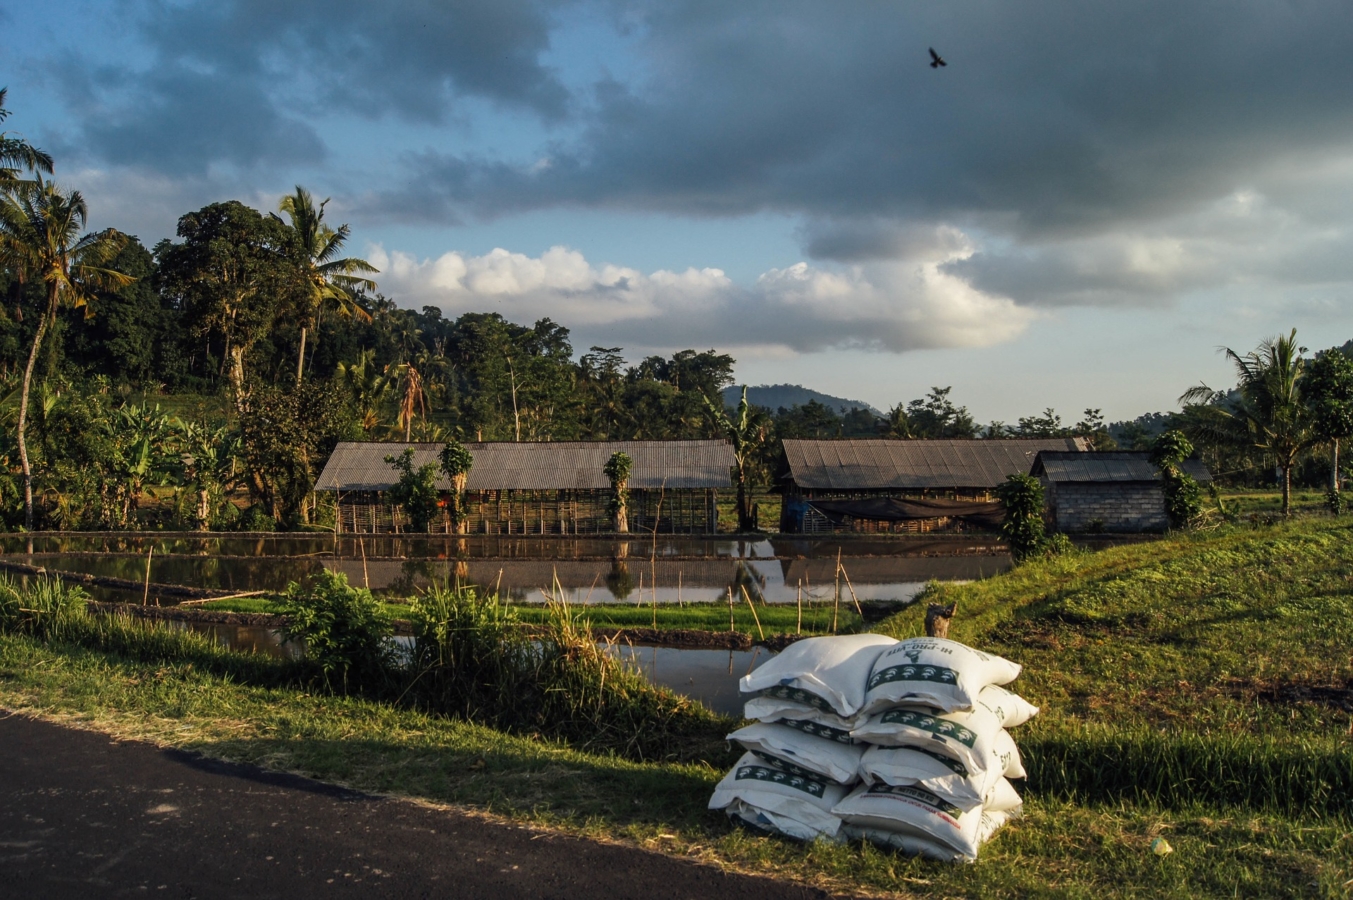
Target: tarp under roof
x: 892, y: 509
x: 880, y: 464
x: 1109, y: 466
x: 548, y: 465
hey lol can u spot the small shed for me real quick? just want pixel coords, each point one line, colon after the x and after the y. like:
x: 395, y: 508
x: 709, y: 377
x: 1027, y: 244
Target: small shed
x: 553, y: 487
x: 1109, y: 491
x: 882, y: 485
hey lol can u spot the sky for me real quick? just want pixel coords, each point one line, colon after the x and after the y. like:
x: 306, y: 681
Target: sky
x: 1076, y: 212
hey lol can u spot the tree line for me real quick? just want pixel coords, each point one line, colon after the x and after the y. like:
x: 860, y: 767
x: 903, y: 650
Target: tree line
x: 216, y: 371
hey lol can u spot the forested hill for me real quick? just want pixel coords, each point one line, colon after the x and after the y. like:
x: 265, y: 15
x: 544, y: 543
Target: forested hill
x: 776, y: 396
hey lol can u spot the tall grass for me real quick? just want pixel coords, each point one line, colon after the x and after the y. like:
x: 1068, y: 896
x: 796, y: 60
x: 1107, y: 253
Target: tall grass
x: 473, y: 658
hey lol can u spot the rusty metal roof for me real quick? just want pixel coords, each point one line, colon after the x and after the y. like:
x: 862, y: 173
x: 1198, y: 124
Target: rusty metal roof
x: 549, y: 465
x: 881, y: 464
x: 1109, y: 466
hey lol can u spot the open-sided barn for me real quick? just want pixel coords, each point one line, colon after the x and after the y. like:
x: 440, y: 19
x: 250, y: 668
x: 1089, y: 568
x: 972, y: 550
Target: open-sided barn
x: 1112, y: 491
x: 877, y: 485
x: 555, y: 487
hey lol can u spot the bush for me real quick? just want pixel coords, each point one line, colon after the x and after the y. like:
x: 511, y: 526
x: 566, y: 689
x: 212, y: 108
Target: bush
x: 415, y: 491
x: 1183, y: 495
x: 1023, y: 527
x: 344, y: 629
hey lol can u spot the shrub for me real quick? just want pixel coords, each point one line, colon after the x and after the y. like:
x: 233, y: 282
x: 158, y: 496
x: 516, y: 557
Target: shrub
x: 415, y: 491
x: 344, y: 629
x: 1183, y: 495
x: 1023, y: 527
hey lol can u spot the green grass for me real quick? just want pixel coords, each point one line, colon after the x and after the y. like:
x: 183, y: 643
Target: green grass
x: 1167, y: 674
x: 775, y: 619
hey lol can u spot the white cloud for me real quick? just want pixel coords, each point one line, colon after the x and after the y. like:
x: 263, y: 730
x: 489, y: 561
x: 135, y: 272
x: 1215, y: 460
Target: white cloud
x: 895, y: 305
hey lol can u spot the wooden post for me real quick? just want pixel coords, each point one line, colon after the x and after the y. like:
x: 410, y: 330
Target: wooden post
x: 836, y: 603
x: 859, y: 609
x: 752, y: 607
x: 798, y: 624
x: 145, y: 595
x: 731, y: 628
x: 937, y: 618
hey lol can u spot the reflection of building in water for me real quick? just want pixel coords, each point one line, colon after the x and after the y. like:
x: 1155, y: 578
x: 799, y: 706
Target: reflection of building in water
x: 878, y: 485
x: 520, y: 578
x: 555, y: 487
x: 893, y: 570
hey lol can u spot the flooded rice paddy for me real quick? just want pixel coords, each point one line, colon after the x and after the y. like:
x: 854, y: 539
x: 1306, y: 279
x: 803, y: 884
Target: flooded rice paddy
x: 524, y: 569
x: 664, y: 570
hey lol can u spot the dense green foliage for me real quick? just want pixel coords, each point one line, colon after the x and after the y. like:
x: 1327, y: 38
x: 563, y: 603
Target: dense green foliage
x: 345, y: 630
x: 415, y: 491
x: 1023, y: 528
x: 1183, y: 494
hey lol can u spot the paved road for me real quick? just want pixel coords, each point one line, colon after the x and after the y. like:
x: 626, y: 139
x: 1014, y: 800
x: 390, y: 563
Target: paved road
x: 84, y: 816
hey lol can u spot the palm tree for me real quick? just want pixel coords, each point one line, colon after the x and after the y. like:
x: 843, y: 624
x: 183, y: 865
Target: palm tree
x: 40, y: 241
x: 369, y: 387
x: 1269, y: 414
x: 327, y: 278
x: 17, y: 154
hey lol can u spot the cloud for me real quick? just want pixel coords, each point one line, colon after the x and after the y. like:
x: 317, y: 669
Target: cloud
x: 246, y: 82
x: 889, y: 306
x: 1054, y: 121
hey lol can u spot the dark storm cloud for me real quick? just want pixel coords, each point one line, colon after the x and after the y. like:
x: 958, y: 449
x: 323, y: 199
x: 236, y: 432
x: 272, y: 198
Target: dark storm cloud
x: 1058, y: 117
x: 236, y: 81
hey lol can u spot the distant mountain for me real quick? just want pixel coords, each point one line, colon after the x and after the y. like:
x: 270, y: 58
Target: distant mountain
x: 774, y: 396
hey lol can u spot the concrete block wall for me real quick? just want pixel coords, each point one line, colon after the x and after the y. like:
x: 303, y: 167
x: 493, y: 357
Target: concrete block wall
x: 1114, y: 506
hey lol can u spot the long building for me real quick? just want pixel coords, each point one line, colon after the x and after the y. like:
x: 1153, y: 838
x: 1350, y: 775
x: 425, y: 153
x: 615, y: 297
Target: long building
x: 881, y: 485
x: 556, y: 487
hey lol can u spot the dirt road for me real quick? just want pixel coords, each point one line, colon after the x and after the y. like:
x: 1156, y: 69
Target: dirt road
x: 84, y: 816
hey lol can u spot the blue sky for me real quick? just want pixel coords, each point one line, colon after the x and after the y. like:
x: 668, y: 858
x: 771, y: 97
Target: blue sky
x: 1076, y: 212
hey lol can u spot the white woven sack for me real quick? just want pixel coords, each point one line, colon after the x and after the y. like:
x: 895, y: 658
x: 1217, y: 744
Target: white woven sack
x: 1010, y: 708
x: 969, y: 737
x: 1004, y: 799
x: 768, y: 708
x: 942, y: 775
x: 793, y: 805
x: 817, y: 749
x: 912, y: 845
x: 933, y: 672
x: 765, y: 820
x: 828, y: 673
x: 916, y: 813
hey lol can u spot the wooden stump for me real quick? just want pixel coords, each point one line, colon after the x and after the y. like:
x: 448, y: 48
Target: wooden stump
x: 937, y: 618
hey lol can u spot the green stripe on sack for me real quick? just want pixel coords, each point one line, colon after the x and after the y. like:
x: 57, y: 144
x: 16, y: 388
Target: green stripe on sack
x: 921, y: 795
x: 798, y: 782
x: 941, y: 728
x: 952, y: 764
x: 798, y: 695
x: 776, y: 763
x: 912, y: 672
x: 818, y: 730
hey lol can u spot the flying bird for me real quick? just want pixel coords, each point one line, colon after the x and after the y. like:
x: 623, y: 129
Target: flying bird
x: 936, y: 60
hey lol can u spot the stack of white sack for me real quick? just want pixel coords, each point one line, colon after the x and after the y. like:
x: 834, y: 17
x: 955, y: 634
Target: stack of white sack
x: 938, y: 760
x: 801, y: 759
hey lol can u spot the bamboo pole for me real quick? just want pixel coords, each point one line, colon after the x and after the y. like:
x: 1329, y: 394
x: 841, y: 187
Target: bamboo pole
x: 859, y: 609
x: 836, y: 603
x: 145, y: 594
x: 798, y: 624
x: 752, y: 607
x: 366, y: 578
x: 731, y: 629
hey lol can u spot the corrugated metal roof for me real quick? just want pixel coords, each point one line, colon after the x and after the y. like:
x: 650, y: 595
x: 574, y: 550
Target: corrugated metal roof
x: 880, y: 464
x: 1109, y: 466
x: 549, y: 466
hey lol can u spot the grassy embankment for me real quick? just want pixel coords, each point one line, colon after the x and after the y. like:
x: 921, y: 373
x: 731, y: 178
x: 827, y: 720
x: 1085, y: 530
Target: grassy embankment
x: 1190, y: 688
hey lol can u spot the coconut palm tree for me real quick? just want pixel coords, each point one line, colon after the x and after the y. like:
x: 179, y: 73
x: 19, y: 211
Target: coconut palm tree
x: 17, y: 155
x: 328, y: 279
x: 1269, y: 414
x: 41, y: 242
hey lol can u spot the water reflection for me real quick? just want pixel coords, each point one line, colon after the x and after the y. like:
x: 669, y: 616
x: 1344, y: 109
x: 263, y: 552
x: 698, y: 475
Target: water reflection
x: 670, y: 570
